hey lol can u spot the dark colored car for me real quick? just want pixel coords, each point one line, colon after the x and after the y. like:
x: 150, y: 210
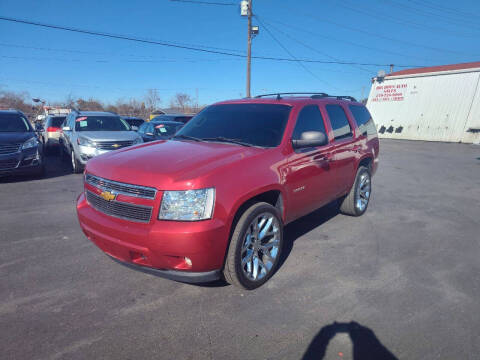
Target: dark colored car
x: 51, y: 131
x: 183, y: 118
x: 159, y: 130
x: 21, y: 152
x: 134, y: 122
x: 212, y: 201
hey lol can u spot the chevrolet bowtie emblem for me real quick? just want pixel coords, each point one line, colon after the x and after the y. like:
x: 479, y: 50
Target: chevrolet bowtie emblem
x: 115, y: 145
x: 107, y: 195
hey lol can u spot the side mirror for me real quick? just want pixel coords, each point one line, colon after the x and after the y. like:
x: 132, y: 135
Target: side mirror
x: 66, y: 128
x: 310, y: 139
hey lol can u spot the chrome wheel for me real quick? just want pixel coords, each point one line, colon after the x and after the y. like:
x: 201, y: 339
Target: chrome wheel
x: 363, y: 191
x: 260, y: 246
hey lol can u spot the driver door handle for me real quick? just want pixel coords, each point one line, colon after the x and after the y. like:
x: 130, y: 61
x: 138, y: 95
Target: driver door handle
x: 323, y: 157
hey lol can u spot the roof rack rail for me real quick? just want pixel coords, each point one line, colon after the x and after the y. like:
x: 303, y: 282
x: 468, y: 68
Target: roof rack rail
x: 278, y: 95
x: 345, y: 97
x: 313, y: 95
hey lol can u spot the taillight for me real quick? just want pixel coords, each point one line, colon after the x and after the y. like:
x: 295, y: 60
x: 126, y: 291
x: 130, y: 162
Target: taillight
x: 53, y: 129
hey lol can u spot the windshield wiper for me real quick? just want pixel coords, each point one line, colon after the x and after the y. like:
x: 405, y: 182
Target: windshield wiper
x: 186, y: 137
x: 227, y: 140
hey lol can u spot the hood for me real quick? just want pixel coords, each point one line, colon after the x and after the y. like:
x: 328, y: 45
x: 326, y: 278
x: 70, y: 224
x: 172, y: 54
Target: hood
x: 15, y: 137
x: 169, y: 164
x: 108, y: 135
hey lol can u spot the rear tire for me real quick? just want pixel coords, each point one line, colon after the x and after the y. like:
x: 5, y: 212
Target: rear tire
x: 255, y: 247
x: 357, y: 200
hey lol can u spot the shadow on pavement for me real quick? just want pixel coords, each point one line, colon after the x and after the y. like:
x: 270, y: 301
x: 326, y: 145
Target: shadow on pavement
x: 366, y: 346
x: 306, y: 224
x: 54, y: 167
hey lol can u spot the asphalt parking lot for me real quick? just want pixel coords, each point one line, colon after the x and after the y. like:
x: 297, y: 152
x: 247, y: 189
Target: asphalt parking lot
x: 403, y: 281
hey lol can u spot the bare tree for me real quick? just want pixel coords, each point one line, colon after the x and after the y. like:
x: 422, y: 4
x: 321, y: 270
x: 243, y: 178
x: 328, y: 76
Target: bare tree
x: 181, y: 101
x: 69, y: 101
x: 152, y: 99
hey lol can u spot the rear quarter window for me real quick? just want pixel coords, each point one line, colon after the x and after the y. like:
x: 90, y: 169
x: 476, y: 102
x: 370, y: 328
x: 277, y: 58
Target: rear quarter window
x: 363, y: 119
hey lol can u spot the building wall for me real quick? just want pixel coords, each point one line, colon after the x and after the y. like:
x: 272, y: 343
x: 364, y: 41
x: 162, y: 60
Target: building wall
x: 432, y: 107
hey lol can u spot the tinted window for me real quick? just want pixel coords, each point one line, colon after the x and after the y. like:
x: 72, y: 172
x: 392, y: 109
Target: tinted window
x: 183, y: 119
x: 100, y: 123
x: 309, y: 119
x: 56, y: 121
x: 363, y: 119
x: 166, y: 130
x: 14, y: 123
x: 338, y: 119
x: 257, y: 124
x: 134, y: 122
x: 142, y: 128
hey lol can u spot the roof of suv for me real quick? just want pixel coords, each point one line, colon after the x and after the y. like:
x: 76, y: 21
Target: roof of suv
x: 12, y: 111
x: 95, y: 113
x: 291, y: 99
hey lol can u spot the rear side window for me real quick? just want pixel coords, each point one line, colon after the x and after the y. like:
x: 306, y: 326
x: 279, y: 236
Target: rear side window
x: 339, y: 121
x: 363, y: 119
x: 309, y: 119
x: 56, y: 121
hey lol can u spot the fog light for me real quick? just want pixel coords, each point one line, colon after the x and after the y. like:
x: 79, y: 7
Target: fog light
x: 188, y: 261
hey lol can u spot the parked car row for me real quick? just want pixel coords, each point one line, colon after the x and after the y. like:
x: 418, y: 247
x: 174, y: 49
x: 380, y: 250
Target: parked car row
x: 77, y: 136
x: 21, y: 151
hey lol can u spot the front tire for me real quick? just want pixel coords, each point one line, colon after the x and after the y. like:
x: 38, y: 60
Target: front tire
x: 255, y: 247
x: 76, y: 166
x: 357, y: 200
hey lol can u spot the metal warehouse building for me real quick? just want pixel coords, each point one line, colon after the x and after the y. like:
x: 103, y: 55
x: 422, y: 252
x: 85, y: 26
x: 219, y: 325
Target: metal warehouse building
x: 440, y: 103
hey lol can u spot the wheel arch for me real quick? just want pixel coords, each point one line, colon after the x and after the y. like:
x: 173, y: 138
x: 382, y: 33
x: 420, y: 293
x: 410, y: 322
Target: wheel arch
x: 272, y: 195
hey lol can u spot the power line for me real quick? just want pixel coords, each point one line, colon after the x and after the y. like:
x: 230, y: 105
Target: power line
x: 205, y: 2
x: 292, y: 56
x: 457, y: 22
x: 191, y: 48
x: 352, y: 43
x: 357, y: 30
x: 431, y: 5
x: 404, y: 22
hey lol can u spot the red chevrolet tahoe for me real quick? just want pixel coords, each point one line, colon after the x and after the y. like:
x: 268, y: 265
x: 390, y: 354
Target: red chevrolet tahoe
x: 212, y: 201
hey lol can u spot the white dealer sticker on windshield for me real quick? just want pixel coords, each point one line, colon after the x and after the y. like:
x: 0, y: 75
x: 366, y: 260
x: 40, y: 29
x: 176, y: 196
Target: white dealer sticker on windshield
x: 83, y: 123
x: 162, y: 130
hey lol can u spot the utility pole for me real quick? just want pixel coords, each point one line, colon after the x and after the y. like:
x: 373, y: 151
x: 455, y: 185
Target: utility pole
x: 249, y: 46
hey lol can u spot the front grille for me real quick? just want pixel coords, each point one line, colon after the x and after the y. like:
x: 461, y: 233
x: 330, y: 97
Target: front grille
x: 121, y: 188
x: 122, y: 210
x: 8, y: 164
x: 9, y: 148
x: 113, y: 145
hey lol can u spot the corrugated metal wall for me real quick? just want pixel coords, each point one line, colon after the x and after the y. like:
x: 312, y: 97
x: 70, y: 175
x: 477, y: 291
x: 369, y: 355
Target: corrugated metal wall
x: 432, y: 107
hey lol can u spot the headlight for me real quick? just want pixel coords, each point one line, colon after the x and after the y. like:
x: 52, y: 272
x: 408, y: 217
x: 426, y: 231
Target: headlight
x: 85, y: 142
x: 189, y: 205
x: 30, y: 143
x: 137, y: 141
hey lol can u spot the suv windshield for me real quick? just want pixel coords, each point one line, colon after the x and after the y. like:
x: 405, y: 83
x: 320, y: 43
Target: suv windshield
x: 14, y: 123
x: 100, y: 123
x: 255, y: 124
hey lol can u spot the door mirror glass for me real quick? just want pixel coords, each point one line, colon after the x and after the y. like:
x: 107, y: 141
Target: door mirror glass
x: 149, y: 134
x: 66, y: 128
x: 310, y: 139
